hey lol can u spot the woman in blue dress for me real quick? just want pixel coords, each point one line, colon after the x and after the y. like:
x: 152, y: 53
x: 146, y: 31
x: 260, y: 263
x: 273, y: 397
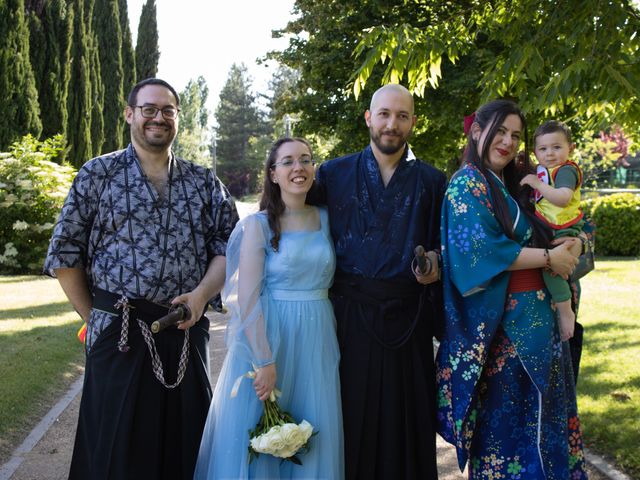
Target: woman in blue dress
x: 506, y: 394
x: 280, y: 264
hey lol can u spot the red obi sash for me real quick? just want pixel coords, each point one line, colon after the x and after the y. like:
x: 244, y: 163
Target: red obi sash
x: 525, y: 280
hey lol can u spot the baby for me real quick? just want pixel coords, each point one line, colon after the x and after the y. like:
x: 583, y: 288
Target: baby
x: 557, y: 190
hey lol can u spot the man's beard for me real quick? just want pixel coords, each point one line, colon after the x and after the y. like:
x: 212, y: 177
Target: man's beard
x: 149, y: 142
x: 389, y: 148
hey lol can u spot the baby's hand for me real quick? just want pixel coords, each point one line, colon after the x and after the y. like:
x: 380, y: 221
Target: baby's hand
x: 531, y: 180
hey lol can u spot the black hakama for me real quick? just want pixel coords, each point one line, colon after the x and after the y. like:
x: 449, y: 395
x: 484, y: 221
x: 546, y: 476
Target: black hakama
x: 130, y: 426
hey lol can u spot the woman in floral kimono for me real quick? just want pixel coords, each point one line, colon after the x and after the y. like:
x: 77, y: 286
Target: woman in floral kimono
x: 506, y: 395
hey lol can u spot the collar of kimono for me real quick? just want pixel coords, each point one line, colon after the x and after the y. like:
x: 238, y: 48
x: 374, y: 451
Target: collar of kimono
x: 410, y: 154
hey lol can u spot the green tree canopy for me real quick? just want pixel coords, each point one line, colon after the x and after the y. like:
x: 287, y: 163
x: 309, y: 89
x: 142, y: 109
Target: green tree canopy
x: 240, y: 125
x: 574, y: 59
x: 283, y: 86
x: 51, y: 29
x: 192, y: 141
x: 95, y: 81
x: 128, y: 60
x: 321, y: 41
x: 79, y: 100
x: 106, y: 23
x: 19, y: 109
x: 457, y: 55
x: 147, y: 51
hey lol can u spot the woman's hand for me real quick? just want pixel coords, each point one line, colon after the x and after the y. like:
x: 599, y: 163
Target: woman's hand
x: 575, y: 247
x: 562, y: 260
x: 265, y: 381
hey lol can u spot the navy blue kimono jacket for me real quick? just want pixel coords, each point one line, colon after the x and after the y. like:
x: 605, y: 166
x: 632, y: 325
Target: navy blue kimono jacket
x: 385, y: 318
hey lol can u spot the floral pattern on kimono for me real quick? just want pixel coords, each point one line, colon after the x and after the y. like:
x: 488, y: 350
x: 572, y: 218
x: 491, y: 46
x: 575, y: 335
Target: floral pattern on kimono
x: 506, y: 396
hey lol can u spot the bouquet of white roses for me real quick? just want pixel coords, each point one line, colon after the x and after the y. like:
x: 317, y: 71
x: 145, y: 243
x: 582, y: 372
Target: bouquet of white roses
x: 277, y: 434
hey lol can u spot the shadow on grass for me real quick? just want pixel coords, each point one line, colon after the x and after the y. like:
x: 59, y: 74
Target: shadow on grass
x: 36, y: 367
x: 590, y: 385
x: 611, y: 402
x: 40, y: 311
x: 598, y: 347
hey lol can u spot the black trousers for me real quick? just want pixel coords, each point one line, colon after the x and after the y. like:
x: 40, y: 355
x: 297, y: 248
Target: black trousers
x: 387, y: 378
x: 130, y: 426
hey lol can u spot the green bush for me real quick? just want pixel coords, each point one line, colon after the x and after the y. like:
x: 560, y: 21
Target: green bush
x: 32, y: 191
x: 617, y: 219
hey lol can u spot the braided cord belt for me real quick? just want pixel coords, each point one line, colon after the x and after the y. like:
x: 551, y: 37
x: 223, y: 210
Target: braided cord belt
x: 158, y: 371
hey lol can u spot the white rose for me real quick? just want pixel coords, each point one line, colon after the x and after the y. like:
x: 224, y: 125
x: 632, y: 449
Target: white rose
x: 262, y: 443
x: 276, y: 441
x: 306, y: 429
x: 257, y: 444
x: 292, y: 437
x: 286, y: 453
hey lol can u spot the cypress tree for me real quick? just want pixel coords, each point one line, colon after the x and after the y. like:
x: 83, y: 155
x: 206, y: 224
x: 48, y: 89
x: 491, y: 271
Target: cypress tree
x: 147, y: 51
x: 19, y: 109
x: 128, y: 60
x: 95, y: 81
x: 51, y: 27
x: 106, y: 24
x: 79, y: 100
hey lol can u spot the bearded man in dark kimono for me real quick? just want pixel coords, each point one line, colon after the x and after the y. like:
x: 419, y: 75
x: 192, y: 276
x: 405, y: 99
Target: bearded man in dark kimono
x: 382, y: 203
x: 140, y: 230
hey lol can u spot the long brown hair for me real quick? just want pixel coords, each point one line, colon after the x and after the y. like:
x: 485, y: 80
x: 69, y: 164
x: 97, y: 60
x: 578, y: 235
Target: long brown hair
x: 490, y: 117
x: 271, y: 199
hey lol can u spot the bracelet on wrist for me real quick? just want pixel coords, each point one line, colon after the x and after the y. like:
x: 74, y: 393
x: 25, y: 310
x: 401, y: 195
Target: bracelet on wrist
x: 547, y: 257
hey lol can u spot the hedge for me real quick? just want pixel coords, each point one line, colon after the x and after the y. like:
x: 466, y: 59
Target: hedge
x: 617, y: 219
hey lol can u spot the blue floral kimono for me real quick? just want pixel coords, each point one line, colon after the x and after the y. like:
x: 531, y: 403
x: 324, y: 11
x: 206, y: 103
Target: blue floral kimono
x: 506, y: 395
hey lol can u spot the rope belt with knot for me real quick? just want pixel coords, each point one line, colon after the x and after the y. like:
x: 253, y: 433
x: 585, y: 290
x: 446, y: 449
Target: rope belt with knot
x: 124, y: 305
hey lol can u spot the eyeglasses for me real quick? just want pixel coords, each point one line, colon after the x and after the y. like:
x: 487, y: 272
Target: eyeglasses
x: 288, y: 162
x: 148, y: 111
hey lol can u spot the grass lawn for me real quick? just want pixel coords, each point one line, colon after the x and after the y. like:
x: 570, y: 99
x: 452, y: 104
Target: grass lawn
x: 609, y: 380
x: 40, y: 356
x: 39, y: 353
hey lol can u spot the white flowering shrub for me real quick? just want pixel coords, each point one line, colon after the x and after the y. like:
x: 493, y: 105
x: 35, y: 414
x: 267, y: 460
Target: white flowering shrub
x: 32, y: 191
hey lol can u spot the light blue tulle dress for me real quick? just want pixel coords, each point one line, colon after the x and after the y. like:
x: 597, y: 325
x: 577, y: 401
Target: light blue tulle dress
x: 280, y: 297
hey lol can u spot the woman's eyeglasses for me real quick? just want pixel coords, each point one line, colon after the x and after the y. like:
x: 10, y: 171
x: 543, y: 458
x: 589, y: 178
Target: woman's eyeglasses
x: 288, y: 162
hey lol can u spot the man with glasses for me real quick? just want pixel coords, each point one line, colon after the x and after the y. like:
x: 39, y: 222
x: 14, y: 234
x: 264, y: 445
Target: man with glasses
x: 141, y: 230
x: 382, y: 203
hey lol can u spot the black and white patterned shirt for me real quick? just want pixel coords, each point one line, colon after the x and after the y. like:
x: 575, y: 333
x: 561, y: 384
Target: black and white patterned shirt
x: 132, y: 241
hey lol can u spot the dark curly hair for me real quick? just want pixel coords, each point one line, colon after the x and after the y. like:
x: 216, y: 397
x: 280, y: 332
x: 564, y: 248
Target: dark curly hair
x: 552, y: 126
x: 271, y: 199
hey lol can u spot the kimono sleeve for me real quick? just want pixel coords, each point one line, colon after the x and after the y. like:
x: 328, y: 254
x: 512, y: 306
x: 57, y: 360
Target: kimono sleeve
x: 224, y: 215
x: 70, y: 239
x: 477, y: 247
x: 248, y: 334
